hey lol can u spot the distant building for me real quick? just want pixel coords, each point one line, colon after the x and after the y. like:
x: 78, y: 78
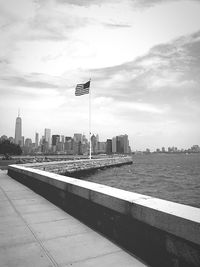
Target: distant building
x: 60, y: 147
x: 28, y: 142
x: 18, y: 131
x: 68, y: 146
x: 36, y: 140
x: 126, y: 144
x: 109, y: 146
x: 44, y: 146
x: 94, y: 144
x: 84, y: 139
x: 23, y: 141
x: 77, y: 137
x: 101, y: 147
x: 77, y: 148
x: 114, y: 145
x: 62, y: 139
x: 122, y: 144
x: 97, y: 138
x: 47, y: 136
x: 55, y: 141
x: 67, y: 138
x: 27, y: 146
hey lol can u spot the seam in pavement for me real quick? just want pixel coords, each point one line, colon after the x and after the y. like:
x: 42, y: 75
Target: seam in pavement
x: 56, y: 220
x: 65, y: 236
x: 48, y: 255
x: 95, y: 257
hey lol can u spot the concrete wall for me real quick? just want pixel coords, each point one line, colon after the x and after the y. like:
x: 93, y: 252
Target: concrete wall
x: 160, y: 232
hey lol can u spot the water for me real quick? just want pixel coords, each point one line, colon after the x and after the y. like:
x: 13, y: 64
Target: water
x: 174, y: 177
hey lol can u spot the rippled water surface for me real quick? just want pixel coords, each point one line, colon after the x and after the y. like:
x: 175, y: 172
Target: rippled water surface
x: 174, y: 177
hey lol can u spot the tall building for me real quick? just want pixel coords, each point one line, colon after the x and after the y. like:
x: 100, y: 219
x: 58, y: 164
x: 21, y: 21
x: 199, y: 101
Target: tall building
x: 109, y: 146
x: 94, y: 144
x: 69, y: 145
x: 18, y: 130
x: 62, y: 139
x: 47, y: 136
x: 101, y: 147
x: 114, y: 145
x: 123, y: 144
x: 55, y: 141
x: 36, y: 140
x: 126, y: 144
x: 27, y: 146
x: 77, y: 137
x: 120, y: 144
x: 77, y: 144
x: 22, y: 141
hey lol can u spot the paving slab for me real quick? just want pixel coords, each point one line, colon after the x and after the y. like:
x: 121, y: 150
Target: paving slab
x: 35, y: 232
x: 46, y: 216
x: 80, y: 247
x: 15, y: 235
x: 25, y: 255
x: 28, y: 202
x: 23, y: 209
x: 111, y: 259
x: 55, y: 229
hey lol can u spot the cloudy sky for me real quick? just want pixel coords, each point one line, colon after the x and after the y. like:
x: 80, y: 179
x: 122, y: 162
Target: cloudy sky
x: 143, y: 58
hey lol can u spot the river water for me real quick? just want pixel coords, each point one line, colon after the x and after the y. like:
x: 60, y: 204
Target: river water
x: 174, y: 177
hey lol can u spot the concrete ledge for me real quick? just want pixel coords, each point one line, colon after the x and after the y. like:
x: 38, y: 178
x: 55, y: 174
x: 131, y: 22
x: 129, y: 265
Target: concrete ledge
x: 160, y: 232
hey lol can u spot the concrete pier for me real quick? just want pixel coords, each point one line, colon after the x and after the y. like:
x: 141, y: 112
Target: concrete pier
x: 35, y: 232
x: 74, y: 167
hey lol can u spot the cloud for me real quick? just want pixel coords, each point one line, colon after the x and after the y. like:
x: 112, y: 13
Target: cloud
x: 85, y: 2
x: 54, y: 25
x: 27, y: 82
x: 37, y: 21
x: 151, y: 3
x: 161, y: 85
x: 115, y: 25
x: 135, y: 3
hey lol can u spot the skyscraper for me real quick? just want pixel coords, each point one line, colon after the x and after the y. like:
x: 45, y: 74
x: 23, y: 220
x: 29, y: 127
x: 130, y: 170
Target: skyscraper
x: 18, y: 130
x: 47, y: 136
x: 120, y: 144
x: 55, y: 141
x: 77, y: 137
x: 36, y: 140
x: 114, y: 145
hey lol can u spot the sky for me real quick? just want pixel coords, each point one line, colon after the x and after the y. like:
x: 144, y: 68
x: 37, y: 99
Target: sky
x: 143, y: 58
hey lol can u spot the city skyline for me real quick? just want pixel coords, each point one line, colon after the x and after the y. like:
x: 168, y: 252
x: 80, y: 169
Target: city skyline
x: 144, y: 69
x: 65, y: 144
x: 50, y: 141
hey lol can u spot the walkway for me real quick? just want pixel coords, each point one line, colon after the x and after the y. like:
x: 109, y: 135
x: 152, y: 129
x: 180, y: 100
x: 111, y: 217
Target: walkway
x: 34, y: 232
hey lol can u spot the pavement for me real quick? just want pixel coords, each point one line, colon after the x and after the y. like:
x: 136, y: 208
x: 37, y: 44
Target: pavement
x: 35, y: 232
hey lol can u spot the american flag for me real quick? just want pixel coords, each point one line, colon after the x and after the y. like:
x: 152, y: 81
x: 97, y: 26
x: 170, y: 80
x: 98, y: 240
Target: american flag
x: 82, y: 88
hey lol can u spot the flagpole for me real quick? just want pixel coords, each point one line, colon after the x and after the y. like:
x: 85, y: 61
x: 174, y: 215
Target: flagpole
x: 90, y: 118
